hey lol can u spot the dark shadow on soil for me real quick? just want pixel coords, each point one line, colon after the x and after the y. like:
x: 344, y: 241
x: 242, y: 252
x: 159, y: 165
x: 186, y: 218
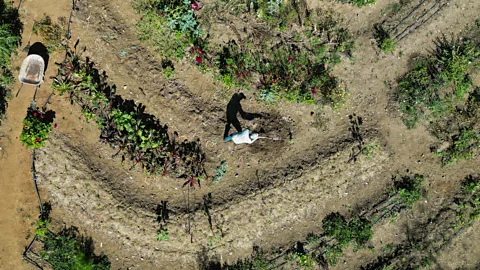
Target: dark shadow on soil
x: 39, y: 49
x: 234, y: 107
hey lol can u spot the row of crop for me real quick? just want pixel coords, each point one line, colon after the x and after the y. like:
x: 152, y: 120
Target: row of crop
x: 425, y: 240
x: 340, y: 232
x: 288, y: 64
x: 138, y: 136
x: 10, y: 38
x: 440, y: 88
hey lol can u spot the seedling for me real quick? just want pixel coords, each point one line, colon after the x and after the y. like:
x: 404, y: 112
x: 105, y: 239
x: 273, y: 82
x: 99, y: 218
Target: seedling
x: 163, y: 234
x: 220, y: 171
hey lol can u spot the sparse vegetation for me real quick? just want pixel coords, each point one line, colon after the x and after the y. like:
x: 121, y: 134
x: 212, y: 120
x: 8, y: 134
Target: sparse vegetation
x: 52, y: 33
x: 359, y: 3
x: 426, y: 86
x: 409, y: 187
x: 66, y: 249
x: 384, y: 41
x: 163, y: 234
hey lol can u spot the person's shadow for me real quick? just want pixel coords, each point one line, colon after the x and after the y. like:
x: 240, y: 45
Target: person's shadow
x: 233, y: 108
x: 40, y: 49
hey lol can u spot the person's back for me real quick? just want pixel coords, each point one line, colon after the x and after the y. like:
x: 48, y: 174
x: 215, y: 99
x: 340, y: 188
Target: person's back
x: 242, y: 137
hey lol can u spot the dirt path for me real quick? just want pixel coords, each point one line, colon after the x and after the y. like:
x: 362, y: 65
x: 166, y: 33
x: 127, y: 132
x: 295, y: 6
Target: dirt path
x: 18, y: 209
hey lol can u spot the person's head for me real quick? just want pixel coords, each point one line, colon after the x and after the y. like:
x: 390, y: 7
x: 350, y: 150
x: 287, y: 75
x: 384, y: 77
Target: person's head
x: 254, y: 136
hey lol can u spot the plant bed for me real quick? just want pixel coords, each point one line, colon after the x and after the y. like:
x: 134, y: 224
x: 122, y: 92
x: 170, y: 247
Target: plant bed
x: 273, y: 57
x: 36, y: 127
x: 124, y: 124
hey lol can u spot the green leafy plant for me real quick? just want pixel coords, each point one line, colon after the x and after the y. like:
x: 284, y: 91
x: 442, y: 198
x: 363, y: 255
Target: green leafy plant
x: 163, y: 234
x: 66, y: 251
x: 36, y: 127
x: 168, y: 73
x: 409, y: 187
x: 357, y: 231
x: 371, y: 149
x: 42, y: 227
x: 220, y: 171
x: 305, y: 261
x: 257, y: 261
x: 465, y: 146
x: 384, y: 41
x: 332, y: 253
x: 468, y: 202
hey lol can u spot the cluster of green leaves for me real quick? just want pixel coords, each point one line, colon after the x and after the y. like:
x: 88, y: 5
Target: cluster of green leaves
x: 359, y: 3
x: 36, y: 127
x: 163, y: 234
x: 125, y: 125
x: 220, y: 171
x: 409, y: 187
x: 468, y: 202
x: 428, y: 84
x: 357, y: 231
x: 10, y: 37
x: 384, y: 41
x: 464, y: 146
x: 66, y: 251
x: 52, y: 33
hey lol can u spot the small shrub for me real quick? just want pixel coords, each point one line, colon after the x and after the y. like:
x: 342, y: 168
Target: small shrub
x: 168, y: 73
x: 384, y: 41
x: 465, y: 146
x: 36, y: 127
x: 66, y: 251
x: 163, y: 234
x: 332, y: 253
x: 220, y: 171
x: 257, y: 261
x: 371, y: 149
x: 409, y: 187
x: 357, y: 229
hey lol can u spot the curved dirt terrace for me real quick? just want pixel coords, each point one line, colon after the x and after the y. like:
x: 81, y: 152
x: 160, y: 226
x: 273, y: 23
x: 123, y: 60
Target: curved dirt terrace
x: 289, y: 205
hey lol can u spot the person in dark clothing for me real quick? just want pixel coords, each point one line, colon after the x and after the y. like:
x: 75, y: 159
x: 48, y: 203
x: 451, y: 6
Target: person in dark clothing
x: 233, y: 108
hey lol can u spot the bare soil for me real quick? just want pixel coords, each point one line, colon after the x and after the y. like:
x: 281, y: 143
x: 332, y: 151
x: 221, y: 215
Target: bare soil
x: 275, y: 192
